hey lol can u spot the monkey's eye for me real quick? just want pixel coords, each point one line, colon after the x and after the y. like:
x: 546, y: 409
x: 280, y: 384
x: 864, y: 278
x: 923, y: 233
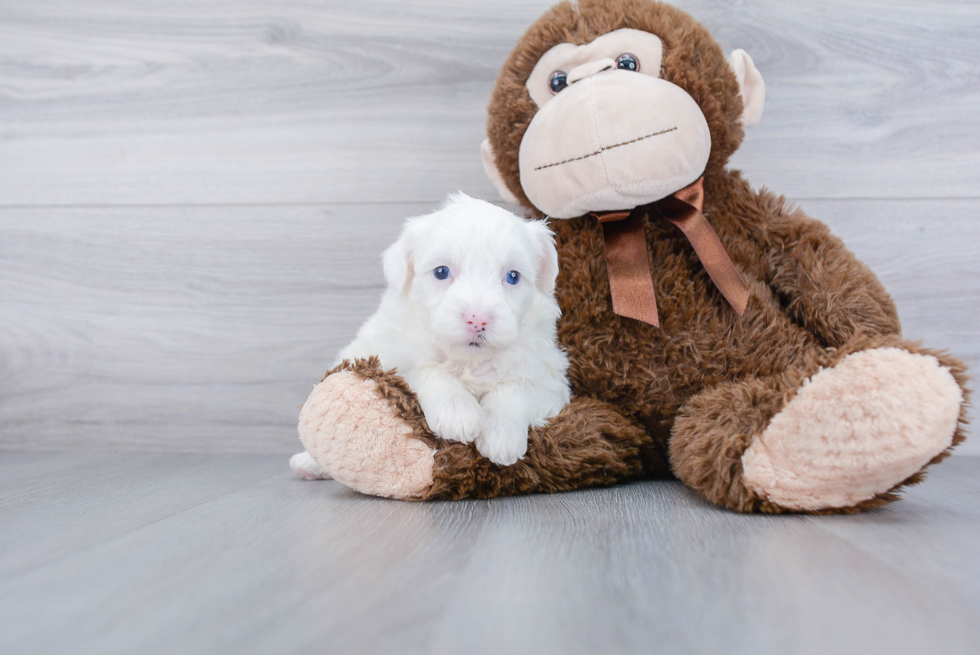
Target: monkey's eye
x: 441, y: 272
x: 558, y: 81
x: 513, y: 277
x: 628, y: 62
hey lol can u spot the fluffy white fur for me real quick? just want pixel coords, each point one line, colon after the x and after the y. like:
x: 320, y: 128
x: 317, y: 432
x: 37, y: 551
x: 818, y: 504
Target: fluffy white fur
x: 480, y: 353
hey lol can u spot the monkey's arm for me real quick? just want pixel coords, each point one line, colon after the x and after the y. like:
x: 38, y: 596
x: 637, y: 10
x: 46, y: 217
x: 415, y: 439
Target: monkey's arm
x: 822, y: 283
x: 365, y: 428
x: 588, y: 444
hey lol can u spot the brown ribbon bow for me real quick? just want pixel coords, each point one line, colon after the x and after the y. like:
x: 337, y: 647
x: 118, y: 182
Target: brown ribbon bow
x: 628, y: 264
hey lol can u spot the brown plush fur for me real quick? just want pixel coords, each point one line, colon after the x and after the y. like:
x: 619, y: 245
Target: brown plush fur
x: 391, y: 386
x: 690, y: 396
x: 708, y: 381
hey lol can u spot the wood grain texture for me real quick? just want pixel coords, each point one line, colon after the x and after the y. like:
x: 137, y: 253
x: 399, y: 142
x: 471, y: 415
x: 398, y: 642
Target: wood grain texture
x: 53, y: 506
x: 178, y: 101
x: 178, y: 323
x: 286, y: 566
x: 927, y: 254
x: 944, y: 543
x: 202, y: 329
x: 178, y: 328
x: 194, y: 195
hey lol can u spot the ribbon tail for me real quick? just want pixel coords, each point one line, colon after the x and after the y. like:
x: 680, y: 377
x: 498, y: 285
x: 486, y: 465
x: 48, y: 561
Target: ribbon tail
x: 710, y: 251
x: 628, y: 265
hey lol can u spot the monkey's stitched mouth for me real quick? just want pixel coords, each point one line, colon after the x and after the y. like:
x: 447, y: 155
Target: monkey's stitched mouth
x: 604, y: 148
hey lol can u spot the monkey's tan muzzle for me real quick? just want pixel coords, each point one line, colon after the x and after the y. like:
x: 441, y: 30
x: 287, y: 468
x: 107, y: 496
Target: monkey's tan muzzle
x: 612, y: 141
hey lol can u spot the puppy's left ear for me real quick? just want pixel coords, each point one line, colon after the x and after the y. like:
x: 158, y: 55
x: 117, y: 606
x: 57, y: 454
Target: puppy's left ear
x: 397, y: 262
x: 751, y: 86
x: 547, y: 256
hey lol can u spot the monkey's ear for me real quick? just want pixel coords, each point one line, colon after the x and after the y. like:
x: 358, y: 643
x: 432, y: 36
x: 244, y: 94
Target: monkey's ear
x: 397, y: 262
x: 547, y: 255
x: 750, y: 86
x: 490, y: 166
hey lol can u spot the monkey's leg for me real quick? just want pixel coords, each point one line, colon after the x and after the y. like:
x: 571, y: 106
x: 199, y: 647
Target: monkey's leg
x: 842, y: 432
x: 365, y: 428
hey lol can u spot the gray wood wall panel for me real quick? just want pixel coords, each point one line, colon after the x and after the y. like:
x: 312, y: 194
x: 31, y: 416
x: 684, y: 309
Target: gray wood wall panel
x: 194, y: 194
x: 203, y: 328
x: 178, y: 328
x: 174, y: 101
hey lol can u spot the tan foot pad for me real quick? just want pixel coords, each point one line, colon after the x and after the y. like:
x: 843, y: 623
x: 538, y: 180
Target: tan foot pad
x: 855, y: 430
x: 352, y: 431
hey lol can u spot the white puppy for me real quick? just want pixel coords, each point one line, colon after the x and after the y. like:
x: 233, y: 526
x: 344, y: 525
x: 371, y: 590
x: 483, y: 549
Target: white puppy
x: 468, y: 319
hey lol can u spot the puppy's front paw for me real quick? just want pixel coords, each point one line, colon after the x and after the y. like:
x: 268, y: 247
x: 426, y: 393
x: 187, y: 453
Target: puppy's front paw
x: 454, y: 417
x: 502, y: 442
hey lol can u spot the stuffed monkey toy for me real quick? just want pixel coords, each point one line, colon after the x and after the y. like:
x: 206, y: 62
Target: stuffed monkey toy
x: 714, y: 333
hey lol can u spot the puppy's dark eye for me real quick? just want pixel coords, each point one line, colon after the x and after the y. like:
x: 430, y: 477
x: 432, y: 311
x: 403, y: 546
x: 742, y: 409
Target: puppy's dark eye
x: 628, y: 62
x: 441, y: 272
x: 513, y: 277
x: 558, y: 81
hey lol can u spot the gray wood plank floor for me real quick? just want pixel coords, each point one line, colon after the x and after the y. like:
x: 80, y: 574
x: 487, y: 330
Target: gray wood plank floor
x: 123, y: 553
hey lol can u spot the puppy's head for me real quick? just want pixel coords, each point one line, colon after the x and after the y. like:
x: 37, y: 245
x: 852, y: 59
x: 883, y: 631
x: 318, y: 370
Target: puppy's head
x: 473, y: 274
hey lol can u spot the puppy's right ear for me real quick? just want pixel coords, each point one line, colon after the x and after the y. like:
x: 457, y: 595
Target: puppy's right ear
x: 397, y: 262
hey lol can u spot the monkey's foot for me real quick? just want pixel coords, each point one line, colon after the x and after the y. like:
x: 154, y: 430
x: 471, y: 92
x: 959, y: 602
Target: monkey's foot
x: 352, y: 425
x: 856, y: 430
